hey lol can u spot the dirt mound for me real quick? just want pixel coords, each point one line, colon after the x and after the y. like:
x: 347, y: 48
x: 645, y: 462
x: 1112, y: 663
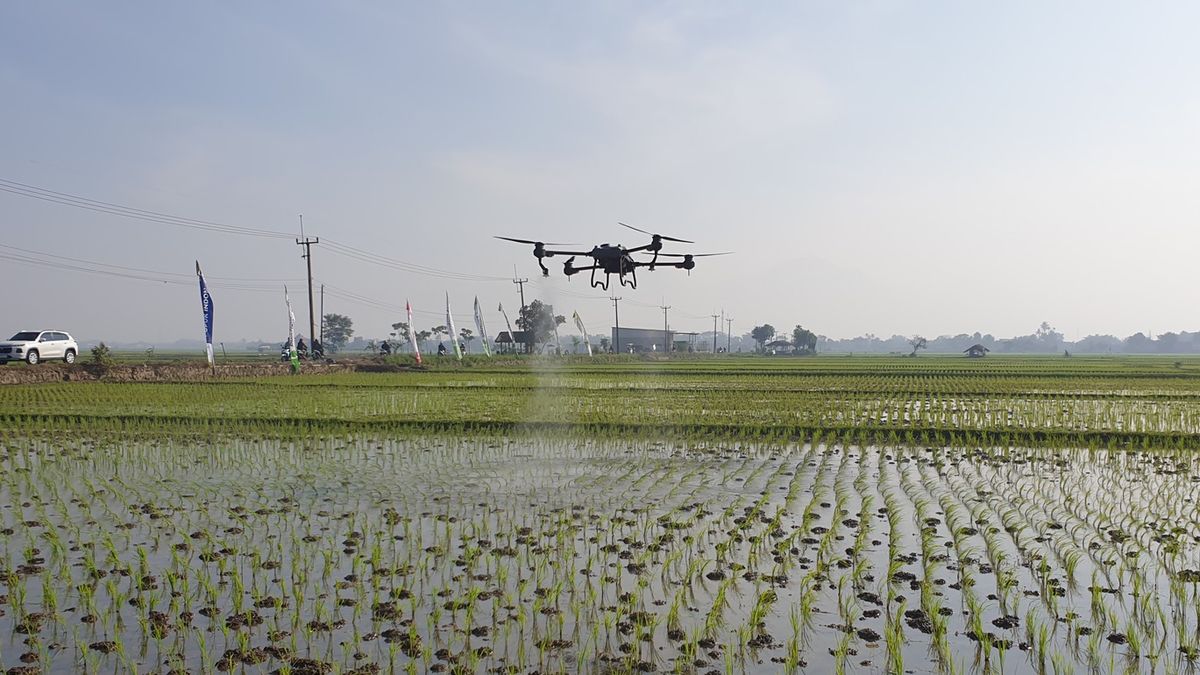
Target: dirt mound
x: 164, y: 372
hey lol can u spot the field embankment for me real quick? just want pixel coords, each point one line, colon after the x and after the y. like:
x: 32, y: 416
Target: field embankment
x: 155, y: 372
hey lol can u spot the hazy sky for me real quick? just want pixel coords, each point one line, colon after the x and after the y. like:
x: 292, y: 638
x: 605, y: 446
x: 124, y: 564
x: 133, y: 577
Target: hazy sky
x: 884, y: 167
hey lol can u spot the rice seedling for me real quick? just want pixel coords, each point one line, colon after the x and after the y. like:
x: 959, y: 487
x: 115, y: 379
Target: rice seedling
x: 918, y: 508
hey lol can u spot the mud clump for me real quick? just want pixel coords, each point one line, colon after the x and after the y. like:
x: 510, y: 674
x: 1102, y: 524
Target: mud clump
x: 917, y: 619
x: 868, y: 635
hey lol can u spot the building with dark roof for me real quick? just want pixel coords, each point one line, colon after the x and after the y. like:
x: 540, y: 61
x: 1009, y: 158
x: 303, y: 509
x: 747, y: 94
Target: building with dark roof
x: 976, y: 351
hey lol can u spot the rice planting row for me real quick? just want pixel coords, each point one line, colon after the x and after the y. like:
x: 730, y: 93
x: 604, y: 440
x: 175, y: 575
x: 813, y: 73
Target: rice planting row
x: 504, y: 402
x: 482, y: 555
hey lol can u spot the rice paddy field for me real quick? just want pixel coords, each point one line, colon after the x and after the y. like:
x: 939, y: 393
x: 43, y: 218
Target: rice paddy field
x: 737, y: 515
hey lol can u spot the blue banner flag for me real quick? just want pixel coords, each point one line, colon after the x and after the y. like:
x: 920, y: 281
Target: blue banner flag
x: 206, y: 304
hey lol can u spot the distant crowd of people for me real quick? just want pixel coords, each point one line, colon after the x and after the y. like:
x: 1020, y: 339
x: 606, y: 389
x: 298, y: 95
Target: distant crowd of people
x: 318, y: 350
x: 385, y: 348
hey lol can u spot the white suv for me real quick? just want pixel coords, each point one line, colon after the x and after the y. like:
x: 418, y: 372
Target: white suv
x: 34, y: 346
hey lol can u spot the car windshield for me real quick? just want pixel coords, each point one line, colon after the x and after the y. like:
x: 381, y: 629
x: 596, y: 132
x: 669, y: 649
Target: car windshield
x: 25, y: 336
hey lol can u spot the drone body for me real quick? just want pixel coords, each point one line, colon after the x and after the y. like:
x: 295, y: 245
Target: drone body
x: 613, y: 259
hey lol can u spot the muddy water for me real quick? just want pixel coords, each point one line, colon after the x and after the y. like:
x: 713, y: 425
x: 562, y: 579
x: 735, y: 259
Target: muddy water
x: 479, y: 554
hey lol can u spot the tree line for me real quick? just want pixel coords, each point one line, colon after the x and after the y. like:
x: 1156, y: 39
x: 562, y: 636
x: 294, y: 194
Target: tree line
x: 1044, y: 340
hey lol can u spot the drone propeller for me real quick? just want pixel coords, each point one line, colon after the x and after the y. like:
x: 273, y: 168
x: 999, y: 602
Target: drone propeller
x: 660, y: 236
x: 535, y: 243
x: 689, y: 255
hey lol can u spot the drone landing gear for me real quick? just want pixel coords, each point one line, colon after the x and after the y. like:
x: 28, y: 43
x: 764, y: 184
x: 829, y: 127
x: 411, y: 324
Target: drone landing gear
x: 632, y: 281
x: 602, y: 285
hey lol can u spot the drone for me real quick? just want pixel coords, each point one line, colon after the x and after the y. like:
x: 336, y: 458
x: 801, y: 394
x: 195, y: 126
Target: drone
x: 616, y: 259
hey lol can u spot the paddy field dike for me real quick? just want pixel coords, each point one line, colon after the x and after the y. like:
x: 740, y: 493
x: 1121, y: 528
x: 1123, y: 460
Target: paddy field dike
x: 832, y: 514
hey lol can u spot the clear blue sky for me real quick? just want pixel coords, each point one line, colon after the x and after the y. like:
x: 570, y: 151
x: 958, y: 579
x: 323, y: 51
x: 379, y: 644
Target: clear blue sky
x: 881, y: 167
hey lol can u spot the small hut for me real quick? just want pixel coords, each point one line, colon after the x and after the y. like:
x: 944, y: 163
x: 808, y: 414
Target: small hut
x: 976, y: 351
x: 779, y: 347
x: 513, y: 343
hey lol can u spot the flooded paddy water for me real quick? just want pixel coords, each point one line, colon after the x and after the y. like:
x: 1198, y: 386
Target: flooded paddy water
x: 358, y: 553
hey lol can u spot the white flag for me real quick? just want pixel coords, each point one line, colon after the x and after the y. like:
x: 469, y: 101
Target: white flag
x: 579, y: 325
x: 412, y: 337
x: 292, y: 353
x: 453, y: 331
x: 557, y: 344
x: 511, y: 335
x: 483, y: 336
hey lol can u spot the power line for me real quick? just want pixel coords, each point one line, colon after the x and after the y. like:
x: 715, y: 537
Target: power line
x: 352, y: 296
x: 186, y: 275
x: 111, y: 208
x: 332, y: 246
x: 338, y: 248
x: 252, y: 285
x: 67, y: 199
x: 37, y: 258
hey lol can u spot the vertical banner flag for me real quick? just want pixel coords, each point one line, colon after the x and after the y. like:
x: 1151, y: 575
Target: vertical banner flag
x: 579, y: 325
x: 557, y: 344
x: 412, y: 337
x: 483, y: 336
x: 206, y: 304
x: 453, y: 330
x: 511, y: 335
x: 295, y: 356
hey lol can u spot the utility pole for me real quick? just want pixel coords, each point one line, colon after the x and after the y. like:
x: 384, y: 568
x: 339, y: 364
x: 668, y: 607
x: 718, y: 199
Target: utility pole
x: 723, y: 320
x: 729, y: 334
x: 521, y: 286
x: 322, y: 316
x: 715, y: 317
x: 617, y: 321
x: 307, y: 243
x: 666, y: 332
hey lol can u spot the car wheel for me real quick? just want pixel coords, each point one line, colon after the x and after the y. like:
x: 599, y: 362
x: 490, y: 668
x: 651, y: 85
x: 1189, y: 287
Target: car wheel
x: 70, y: 356
x: 32, y: 357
